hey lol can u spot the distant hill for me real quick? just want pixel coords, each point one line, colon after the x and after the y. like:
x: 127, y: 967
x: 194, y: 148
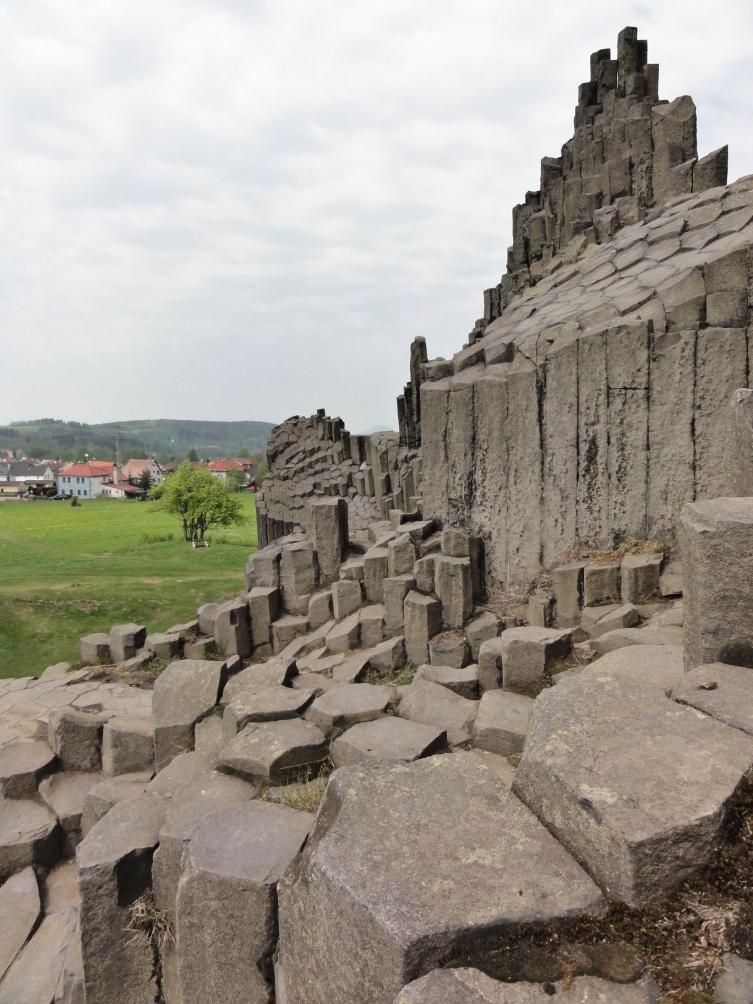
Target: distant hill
x: 164, y: 437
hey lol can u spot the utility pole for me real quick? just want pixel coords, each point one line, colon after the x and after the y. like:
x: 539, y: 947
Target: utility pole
x: 116, y: 429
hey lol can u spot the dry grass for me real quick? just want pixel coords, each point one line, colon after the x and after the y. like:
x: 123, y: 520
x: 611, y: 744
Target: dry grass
x: 304, y: 788
x: 401, y: 677
x: 610, y: 556
x: 149, y: 924
x: 143, y: 677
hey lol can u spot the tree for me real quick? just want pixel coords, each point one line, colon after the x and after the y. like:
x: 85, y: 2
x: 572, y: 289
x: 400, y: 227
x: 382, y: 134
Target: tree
x: 244, y: 454
x: 145, y: 480
x: 199, y: 500
x: 193, y: 456
x: 235, y: 480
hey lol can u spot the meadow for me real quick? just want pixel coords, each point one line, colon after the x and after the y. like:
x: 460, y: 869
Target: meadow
x: 66, y: 571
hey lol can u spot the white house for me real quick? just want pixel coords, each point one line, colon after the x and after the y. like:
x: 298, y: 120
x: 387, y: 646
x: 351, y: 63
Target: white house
x: 84, y: 480
x: 133, y: 470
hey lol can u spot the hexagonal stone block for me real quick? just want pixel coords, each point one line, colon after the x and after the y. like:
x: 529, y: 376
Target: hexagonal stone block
x: 372, y: 624
x: 633, y: 784
x: 126, y: 640
x: 721, y: 691
x: 274, y: 673
x: 448, y: 649
x: 227, y: 896
x: 128, y: 744
x: 94, y: 649
x: 387, y: 738
x: 345, y: 635
x: 423, y: 620
x: 453, y: 583
x: 410, y: 863
x: 640, y: 577
x: 65, y: 794
x: 23, y: 764
x: 287, y: 628
x: 76, y: 737
x: 105, y: 793
x: 459, y: 681
x: 19, y: 911
x: 274, y: 750
x: 626, y: 616
x: 232, y: 628
x: 29, y: 835
x: 165, y: 646
x: 432, y: 704
x: 482, y: 628
x: 264, y: 704
x: 348, y: 704
x: 528, y: 654
x: 501, y: 724
x: 183, y: 693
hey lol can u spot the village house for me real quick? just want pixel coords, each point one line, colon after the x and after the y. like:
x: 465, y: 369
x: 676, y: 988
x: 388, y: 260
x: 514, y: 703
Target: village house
x: 133, y: 470
x: 84, y: 480
x: 221, y: 467
x: 29, y: 473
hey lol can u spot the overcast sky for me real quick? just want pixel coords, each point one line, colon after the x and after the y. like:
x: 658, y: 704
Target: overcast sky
x: 237, y: 209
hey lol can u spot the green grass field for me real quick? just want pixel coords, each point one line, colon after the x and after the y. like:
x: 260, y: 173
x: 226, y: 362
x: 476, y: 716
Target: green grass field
x: 66, y: 571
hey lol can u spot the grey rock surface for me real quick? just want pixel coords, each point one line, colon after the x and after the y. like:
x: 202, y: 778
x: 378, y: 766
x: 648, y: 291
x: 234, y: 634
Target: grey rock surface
x: 721, y: 691
x: 471, y: 986
x: 183, y: 693
x: 387, y: 738
x: 432, y: 704
x: 274, y: 750
x: 19, y: 911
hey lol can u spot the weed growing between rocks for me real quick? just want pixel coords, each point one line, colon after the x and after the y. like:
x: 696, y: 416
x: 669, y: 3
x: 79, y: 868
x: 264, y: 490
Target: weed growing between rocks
x: 397, y: 678
x: 142, y: 676
x: 305, y: 788
x: 149, y: 924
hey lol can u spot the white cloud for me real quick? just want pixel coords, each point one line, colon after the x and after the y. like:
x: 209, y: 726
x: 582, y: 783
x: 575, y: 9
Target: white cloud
x: 245, y: 210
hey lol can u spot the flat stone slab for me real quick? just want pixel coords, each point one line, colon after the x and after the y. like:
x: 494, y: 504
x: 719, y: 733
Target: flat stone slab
x: 273, y: 750
x: 432, y: 704
x: 105, y: 793
x: 623, y: 637
x: 387, y: 738
x: 471, y: 986
x: 266, y: 704
x: 633, y: 784
x: 658, y: 666
x: 460, y: 681
x: 65, y: 795
x: 501, y: 724
x: 721, y: 691
x: 274, y: 673
x: 29, y: 835
x: 22, y: 765
x: 44, y: 967
x: 349, y: 704
x: 409, y: 863
x: 19, y: 911
x: 227, y: 898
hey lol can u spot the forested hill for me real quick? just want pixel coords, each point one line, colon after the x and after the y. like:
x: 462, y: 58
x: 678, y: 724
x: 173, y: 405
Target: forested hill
x: 164, y: 437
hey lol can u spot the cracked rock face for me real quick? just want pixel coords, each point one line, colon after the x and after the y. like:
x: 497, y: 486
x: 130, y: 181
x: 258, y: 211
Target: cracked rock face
x: 412, y: 864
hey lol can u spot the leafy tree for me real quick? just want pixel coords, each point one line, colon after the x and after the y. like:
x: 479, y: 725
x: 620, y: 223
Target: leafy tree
x: 145, y: 480
x: 199, y: 500
x: 244, y: 454
x: 235, y: 480
x: 193, y: 456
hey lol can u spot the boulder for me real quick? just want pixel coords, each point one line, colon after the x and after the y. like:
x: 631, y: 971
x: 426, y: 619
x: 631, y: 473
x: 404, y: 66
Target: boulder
x: 94, y: 649
x: 528, y: 655
x: 716, y: 540
x: 423, y: 620
x: 387, y: 738
x: 721, y: 691
x: 126, y: 640
x: 274, y: 750
x: 29, y: 835
x: 349, y: 704
x: 76, y: 737
x: 183, y: 693
x: 459, y: 681
x: 634, y: 785
x: 411, y: 863
x: 264, y: 704
x: 114, y: 869
x: 227, y: 898
x: 432, y: 704
x: 19, y: 912
x: 64, y: 794
x: 501, y: 723
x: 23, y: 764
x: 128, y: 744
x: 232, y: 628
x: 471, y: 986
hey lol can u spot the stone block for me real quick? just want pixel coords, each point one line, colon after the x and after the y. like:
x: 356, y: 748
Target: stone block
x: 20, y: 908
x: 345, y: 635
x: 329, y: 532
x: 395, y: 591
x: 126, y: 640
x: 64, y: 794
x: 227, y: 897
x: 462, y: 681
x: 94, y: 649
x: 165, y: 646
x: 352, y: 569
x: 670, y: 580
x: 625, y: 616
x: 422, y: 620
x: 206, y: 615
x: 264, y: 704
x: 659, y: 666
x: 49, y: 966
x: 349, y: 704
x: 128, y: 745
x: 482, y: 628
x: 298, y: 576
x: 471, y: 986
x: 401, y: 556
x: 739, y: 449
x: 490, y: 664
x: 29, y: 835
x: 200, y: 648
x: 232, y: 628
x: 716, y: 541
x: 183, y: 694
x: 273, y: 750
x: 453, y: 583
x: 640, y: 577
x: 455, y: 543
x: 353, y: 930
x: 423, y: 572
x: 501, y: 724
x: 387, y: 738
x: 372, y: 624
x: 105, y: 794
x: 723, y: 692
x: 277, y: 672
x: 114, y: 869
x: 449, y: 649
x: 388, y: 656
x: 432, y: 704
x: 567, y: 583
x: 734, y: 984
x: 601, y: 583
x: 23, y: 764
x: 264, y: 608
x: 541, y: 610
x: 375, y: 571
x: 347, y: 597
x: 76, y: 737
x: 528, y: 655
x: 634, y: 785
x: 320, y: 609
x: 263, y: 568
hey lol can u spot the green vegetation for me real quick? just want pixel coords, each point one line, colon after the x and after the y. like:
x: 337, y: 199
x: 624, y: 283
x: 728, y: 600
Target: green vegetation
x: 199, y: 501
x: 54, y: 439
x: 65, y: 572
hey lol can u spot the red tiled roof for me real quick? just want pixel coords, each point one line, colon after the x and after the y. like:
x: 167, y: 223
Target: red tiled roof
x: 225, y: 464
x: 94, y: 469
